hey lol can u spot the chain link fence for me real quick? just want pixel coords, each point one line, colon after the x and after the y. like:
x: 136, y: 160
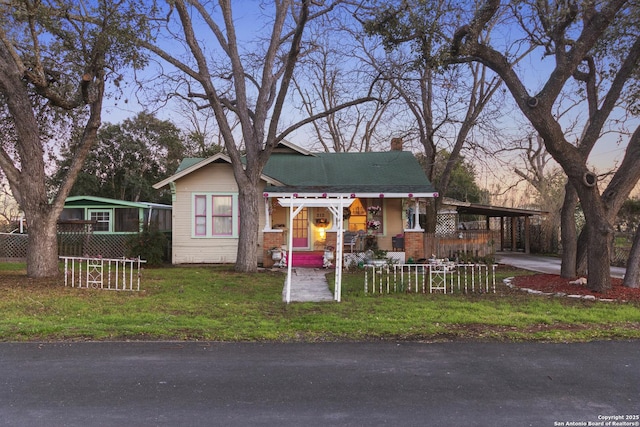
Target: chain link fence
x: 14, y: 246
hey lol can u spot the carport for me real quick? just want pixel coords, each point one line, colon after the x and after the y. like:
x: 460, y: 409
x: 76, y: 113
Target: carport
x: 507, y: 216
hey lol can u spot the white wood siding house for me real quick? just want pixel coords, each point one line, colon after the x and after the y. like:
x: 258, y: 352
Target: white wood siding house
x: 205, y: 201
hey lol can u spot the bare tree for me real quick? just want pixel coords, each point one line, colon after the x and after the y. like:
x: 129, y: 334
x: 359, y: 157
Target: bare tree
x: 548, y: 181
x: 448, y: 105
x: 551, y: 27
x: 329, y: 74
x: 54, y: 57
x: 202, y: 138
x: 250, y: 87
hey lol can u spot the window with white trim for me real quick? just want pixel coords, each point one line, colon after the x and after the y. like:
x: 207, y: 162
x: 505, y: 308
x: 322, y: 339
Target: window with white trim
x: 200, y: 215
x: 101, y: 219
x: 222, y: 217
x: 215, y: 215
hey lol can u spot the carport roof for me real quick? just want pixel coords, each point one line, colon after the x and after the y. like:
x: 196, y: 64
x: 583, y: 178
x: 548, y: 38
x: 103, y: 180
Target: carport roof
x: 496, y: 211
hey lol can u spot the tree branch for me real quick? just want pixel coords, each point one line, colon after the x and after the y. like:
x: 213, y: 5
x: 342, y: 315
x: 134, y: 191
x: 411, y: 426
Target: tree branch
x: 326, y: 113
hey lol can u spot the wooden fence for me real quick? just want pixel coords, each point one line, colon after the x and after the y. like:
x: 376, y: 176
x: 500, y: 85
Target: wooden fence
x: 462, y: 245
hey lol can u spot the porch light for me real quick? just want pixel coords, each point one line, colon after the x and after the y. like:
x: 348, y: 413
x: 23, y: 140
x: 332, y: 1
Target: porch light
x: 322, y: 222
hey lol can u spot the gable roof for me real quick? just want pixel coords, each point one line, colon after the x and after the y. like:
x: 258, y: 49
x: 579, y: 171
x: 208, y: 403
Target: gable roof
x: 192, y: 164
x: 292, y: 170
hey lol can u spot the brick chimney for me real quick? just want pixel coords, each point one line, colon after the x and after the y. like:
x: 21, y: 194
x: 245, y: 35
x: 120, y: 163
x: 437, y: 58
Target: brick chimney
x: 396, y: 144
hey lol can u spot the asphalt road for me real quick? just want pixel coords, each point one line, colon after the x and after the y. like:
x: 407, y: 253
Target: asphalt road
x: 328, y: 384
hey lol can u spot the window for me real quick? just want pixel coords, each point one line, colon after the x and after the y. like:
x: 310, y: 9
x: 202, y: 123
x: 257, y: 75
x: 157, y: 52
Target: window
x: 126, y: 220
x: 160, y: 218
x: 200, y: 220
x: 360, y: 215
x: 72, y: 214
x: 101, y: 219
x: 222, y: 215
x: 215, y: 215
x: 376, y: 217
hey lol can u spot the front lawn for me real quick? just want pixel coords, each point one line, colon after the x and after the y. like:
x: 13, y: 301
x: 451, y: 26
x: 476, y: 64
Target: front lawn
x: 215, y: 303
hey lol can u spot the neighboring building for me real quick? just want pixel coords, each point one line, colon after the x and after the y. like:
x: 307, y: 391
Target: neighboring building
x: 97, y: 226
x: 206, y: 216
x: 114, y: 216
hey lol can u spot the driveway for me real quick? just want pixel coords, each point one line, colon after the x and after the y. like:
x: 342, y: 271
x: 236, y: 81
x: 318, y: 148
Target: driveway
x: 541, y: 264
x: 324, y: 384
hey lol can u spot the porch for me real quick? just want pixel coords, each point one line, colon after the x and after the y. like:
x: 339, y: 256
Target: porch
x: 366, y: 223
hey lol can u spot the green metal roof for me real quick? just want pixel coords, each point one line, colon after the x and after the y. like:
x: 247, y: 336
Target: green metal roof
x: 188, y: 162
x: 94, y: 201
x: 370, y: 172
x: 390, y: 171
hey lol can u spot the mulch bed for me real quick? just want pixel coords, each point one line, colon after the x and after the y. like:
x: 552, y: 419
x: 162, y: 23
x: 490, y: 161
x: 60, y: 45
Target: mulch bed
x: 555, y: 284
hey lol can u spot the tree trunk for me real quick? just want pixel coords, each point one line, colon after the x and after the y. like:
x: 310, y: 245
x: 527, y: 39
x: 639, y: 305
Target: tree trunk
x: 582, y: 253
x: 431, y: 211
x: 249, y: 200
x: 42, y: 245
x: 568, y: 232
x: 599, y: 263
x: 632, y: 275
x: 599, y: 235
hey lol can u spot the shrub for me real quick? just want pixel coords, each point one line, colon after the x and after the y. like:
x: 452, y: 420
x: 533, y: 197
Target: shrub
x: 150, y: 245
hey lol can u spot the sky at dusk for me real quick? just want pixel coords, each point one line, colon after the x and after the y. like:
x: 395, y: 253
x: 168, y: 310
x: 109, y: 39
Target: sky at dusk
x: 607, y: 153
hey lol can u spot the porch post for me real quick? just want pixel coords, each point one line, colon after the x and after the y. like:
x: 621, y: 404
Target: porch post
x: 292, y: 214
x: 527, y: 240
x: 267, y: 214
x: 414, y: 244
x: 416, y: 216
x: 340, y: 247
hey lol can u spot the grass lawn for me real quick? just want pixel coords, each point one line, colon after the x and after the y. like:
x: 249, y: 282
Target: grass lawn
x: 217, y: 304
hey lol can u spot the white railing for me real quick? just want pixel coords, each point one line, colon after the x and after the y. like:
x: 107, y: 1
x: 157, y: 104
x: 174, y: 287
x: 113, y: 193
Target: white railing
x: 427, y: 278
x: 118, y: 274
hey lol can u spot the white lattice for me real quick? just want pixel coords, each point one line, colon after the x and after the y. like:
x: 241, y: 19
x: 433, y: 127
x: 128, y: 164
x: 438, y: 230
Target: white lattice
x: 446, y: 223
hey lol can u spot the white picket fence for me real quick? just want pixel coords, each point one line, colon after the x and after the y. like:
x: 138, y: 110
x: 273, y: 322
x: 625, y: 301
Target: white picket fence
x: 118, y: 274
x: 429, y: 278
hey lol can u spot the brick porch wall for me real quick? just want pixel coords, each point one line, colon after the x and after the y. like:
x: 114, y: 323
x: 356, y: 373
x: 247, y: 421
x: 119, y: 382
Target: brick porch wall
x: 271, y: 239
x: 414, y: 244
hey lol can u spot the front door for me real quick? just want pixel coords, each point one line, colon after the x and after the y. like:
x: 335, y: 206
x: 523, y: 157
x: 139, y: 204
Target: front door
x: 301, y: 229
